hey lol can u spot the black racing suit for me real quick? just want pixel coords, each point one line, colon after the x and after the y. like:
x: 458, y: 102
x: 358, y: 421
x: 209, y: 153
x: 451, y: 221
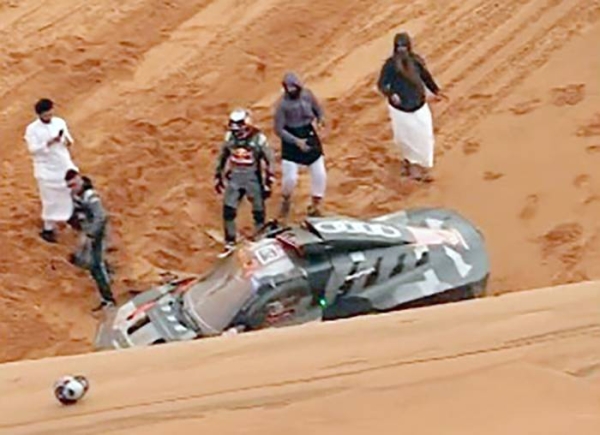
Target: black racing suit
x: 239, y: 172
x: 92, y: 218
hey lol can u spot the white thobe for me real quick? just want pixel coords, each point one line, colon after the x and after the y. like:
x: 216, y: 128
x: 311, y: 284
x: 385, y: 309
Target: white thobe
x: 50, y: 164
x: 413, y: 133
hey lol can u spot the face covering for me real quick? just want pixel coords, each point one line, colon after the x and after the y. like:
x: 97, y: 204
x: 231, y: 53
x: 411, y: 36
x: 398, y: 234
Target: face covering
x: 293, y: 92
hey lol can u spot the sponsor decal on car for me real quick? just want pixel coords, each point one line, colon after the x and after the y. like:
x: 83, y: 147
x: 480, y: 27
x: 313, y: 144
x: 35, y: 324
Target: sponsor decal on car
x: 356, y: 227
x: 269, y: 253
x: 430, y: 236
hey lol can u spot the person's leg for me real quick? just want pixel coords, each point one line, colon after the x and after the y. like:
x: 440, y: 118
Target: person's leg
x: 318, y: 181
x: 289, y: 178
x: 82, y: 255
x: 57, y: 206
x: 98, y: 270
x: 231, y: 200
x: 255, y: 196
x: 424, y: 136
x: 48, y: 232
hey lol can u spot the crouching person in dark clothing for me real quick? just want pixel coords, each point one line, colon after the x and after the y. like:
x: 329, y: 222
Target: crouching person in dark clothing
x: 92, y: 219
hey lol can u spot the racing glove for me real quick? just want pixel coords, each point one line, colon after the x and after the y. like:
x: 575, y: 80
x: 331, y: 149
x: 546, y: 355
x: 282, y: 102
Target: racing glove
x: 219, y: 185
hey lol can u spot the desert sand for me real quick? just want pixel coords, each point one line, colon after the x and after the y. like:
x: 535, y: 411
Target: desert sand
x: 522, y: 363
x: 146, y: 87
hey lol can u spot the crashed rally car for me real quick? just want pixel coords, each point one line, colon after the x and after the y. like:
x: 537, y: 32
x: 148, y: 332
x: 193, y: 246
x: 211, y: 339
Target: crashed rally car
x: 323, y: 269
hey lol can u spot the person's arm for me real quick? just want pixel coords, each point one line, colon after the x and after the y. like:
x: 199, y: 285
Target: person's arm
x: 222, y: 159
x: 317, y: 109
x: 67, y: 135
x: 426, y: 76
x: 34, y: 144
x: 386, y: 76
x: 267, y: 155
x: 279, y: 127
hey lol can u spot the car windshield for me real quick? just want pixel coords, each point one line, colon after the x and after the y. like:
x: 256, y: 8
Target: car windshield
x: 215, y: 300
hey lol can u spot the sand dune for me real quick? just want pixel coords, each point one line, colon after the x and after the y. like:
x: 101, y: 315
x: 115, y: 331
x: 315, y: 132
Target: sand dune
x: 146, y: 86
x: 525, y: 363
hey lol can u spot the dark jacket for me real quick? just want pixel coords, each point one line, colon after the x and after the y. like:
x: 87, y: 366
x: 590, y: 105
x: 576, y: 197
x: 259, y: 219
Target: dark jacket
x: 294, y: 119
x: 412, y: 96
x: 89, y: 210
x: 295, y: 113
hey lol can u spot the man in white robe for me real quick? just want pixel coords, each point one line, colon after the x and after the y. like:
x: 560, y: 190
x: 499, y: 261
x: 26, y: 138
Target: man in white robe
x: 408, y: 85
x: 48, y: 139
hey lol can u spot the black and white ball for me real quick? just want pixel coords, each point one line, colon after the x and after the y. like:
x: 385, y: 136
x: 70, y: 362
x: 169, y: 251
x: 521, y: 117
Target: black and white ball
x: 71, y: 389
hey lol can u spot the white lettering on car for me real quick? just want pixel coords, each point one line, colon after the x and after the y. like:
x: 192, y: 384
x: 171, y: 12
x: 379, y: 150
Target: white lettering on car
x: 351, y: 227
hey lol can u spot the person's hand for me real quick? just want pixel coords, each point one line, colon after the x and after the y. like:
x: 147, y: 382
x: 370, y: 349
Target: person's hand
x: 440, y: 96
x: 266, y: 191
x: 269, y: 178
x: 219, y: 186
x: 53, y: 141
x: 301, y: 143
x: 395, y: 99
x: 56, y: 139
x: 321, y: 124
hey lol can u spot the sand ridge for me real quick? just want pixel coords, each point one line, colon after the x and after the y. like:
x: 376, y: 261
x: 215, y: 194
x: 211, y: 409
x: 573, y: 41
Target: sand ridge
x: 526, y: 362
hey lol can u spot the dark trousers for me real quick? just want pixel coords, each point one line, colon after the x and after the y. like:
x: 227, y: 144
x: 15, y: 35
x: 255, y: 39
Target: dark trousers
x: 234, y: 193
x: 90, y: 255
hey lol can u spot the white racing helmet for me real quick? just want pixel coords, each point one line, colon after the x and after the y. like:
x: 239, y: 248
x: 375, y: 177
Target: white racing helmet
x: 70, y: 389
x: 239, y: 123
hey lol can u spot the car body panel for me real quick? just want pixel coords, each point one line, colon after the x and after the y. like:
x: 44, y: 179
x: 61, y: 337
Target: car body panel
x: 324, y: 269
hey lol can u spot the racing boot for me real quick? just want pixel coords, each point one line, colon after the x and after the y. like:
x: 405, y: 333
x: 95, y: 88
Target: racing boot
x: 227, y: 249
x: 105, y: 304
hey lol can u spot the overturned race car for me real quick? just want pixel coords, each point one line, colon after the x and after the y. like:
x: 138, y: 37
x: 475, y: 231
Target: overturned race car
x: 323, y: 269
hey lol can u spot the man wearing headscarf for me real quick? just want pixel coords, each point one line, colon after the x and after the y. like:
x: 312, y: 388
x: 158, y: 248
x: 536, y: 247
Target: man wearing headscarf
x: 48, y: 139
x: 295, y: 115
x: 404, y: 79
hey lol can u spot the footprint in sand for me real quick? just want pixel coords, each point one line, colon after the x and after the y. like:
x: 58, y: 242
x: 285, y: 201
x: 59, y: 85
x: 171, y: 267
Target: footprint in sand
x: 591, y: 199
x: 568, y: 233
x: 491, y: 175
x: 178, y: 123
x: 470, y: 147
x: 568, y: 95
x: 581, y: 180
x: 593, y: 149
x: 530, y: 208
x: 526, y: 106
x: 592, y: 128
x: 478, y: 96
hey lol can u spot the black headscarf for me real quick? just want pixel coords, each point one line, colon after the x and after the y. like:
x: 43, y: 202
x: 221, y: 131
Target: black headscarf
x: 405, y: 60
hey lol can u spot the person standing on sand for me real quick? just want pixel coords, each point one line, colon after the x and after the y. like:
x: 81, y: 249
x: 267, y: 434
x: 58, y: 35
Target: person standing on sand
x: 93, y: 221
x: 244, y: 154
x: 48, y: 140
x: 295, y: 115
x: 404, y: 79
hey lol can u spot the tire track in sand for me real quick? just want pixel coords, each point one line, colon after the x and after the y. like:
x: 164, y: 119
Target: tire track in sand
x: 532, y: 54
